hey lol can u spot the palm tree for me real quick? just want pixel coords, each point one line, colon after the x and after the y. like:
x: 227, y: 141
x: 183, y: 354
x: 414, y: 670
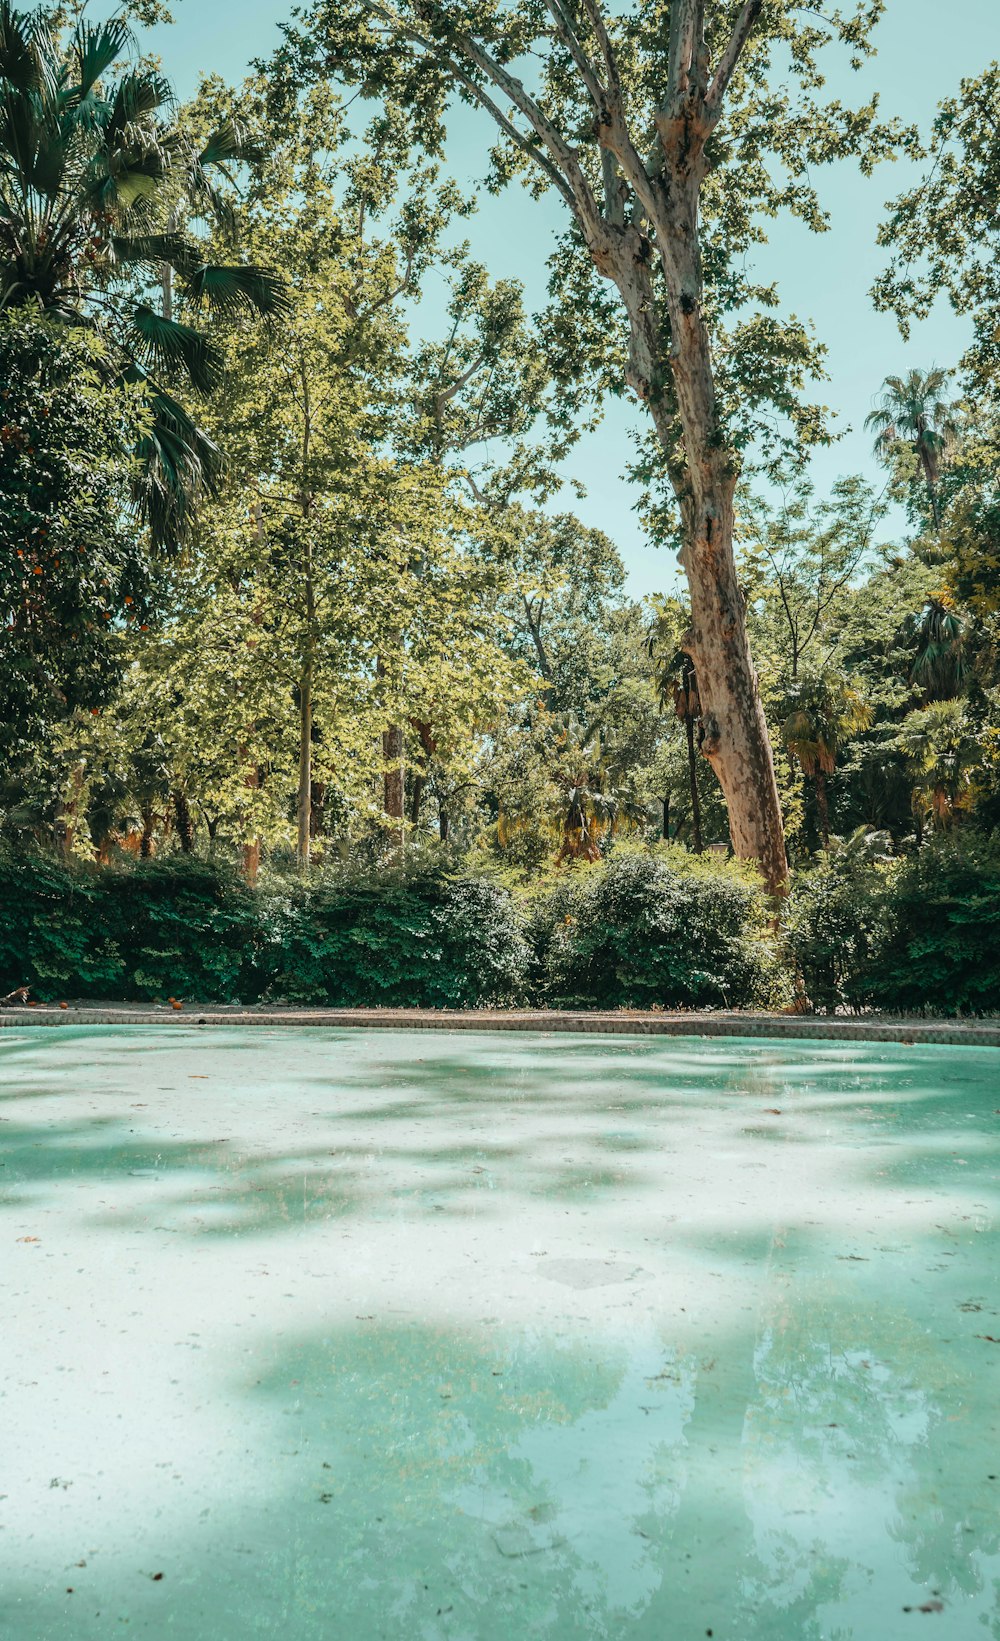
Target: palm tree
x: 939, y: 664
x: 941, y: 757
x: 590, y: 799
x: 824, y: 710
x: 915, y: 410
x: 92, y: 170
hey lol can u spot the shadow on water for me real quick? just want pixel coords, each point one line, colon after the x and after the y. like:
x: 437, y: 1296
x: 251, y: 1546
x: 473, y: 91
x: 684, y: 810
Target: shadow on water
x: 790, y: 1434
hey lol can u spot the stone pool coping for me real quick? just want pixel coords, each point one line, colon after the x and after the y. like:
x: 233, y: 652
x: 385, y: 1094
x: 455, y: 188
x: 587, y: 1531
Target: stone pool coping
x: 625, y: 1022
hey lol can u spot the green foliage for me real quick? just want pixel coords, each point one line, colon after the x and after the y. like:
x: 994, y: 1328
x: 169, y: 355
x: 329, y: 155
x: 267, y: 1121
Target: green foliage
x: 921, y: 934
x: 835, y: 923
x: 654, y: 929
x: 173, y: 928
x: 407, y: 939
x: 73, y: 566
x: 96, y: 185
x: 192, y: 929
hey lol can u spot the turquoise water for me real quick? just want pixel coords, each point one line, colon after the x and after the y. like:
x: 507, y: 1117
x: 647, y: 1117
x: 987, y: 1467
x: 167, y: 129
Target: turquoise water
x: 330, y: 1334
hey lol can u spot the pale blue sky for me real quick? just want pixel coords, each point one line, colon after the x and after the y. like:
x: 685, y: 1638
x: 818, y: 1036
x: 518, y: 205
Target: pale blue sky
x: 824, y: 278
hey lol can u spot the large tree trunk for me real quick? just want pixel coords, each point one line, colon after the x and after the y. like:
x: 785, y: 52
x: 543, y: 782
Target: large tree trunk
x: 680, y: 394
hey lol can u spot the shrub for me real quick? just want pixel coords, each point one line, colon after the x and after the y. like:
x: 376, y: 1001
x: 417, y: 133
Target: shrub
x: 654, y: 928
x: 942, y: 953
x: 54, y: 931
x: 185, y: 927
x: 417, y: 939
x: 835, y: 923
x: 918, y: 934
x: 181, y: 927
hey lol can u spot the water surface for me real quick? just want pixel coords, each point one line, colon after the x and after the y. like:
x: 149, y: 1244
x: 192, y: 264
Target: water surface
x: 322, y: 1334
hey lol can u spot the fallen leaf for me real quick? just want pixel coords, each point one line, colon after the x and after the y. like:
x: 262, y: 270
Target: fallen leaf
x: 29, y: 1239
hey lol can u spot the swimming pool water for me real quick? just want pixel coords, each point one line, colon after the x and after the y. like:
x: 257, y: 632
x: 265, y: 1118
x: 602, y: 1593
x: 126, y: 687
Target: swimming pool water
x: 323, y: 1333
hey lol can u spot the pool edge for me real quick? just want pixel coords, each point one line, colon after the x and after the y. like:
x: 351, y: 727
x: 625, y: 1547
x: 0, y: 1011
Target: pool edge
x: 624, y: 1023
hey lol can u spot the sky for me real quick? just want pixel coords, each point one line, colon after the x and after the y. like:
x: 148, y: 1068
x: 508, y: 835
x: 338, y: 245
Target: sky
x: 823, y: 278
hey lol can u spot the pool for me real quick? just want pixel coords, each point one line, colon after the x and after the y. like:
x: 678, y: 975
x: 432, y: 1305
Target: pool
x: 340, y: 1334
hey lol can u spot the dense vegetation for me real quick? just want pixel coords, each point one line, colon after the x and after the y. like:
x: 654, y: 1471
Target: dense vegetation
x: 313, y: 686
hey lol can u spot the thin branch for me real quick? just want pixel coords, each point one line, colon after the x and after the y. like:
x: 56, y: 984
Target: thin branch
x: 569, y: 38
x: 742, y: 30
x: 475, y: 90
x: 596, y: 19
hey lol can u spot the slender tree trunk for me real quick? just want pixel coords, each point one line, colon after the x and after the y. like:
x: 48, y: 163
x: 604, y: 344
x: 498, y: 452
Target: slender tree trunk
x: 443, y: 822
x: 823, y: 808
x: 304, y: 804
x: 416, y: 798
x: 183, y: 822
x: 666, y: 818
x: 251, y: 848
x: 696, y: 842
x: 392, y: 784
x: 317, y: 804
x: 146, y: 842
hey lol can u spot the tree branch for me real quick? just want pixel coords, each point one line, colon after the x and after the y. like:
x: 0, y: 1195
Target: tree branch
x: 742, y: 30
x: 569, y: 38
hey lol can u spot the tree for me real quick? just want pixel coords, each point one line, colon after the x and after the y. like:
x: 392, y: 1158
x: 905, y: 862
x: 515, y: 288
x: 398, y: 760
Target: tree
x: 914, y: 410
x: 941, y: 756
x: 74, y: 565
x: 90, y: 168
x: 647, y: 128
x: 944, y: 232
x: 939, y: 664
x: 824, y: 708
x: 800, y: 560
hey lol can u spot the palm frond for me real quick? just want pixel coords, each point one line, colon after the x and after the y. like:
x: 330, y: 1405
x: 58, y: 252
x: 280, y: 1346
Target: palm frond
x: 22, y: 54
x: 95, y: 47
x: 239, y: 289
x: 179, y: 466
x: 172, y: 248
x: 228, y: 143
x: 169, y: 346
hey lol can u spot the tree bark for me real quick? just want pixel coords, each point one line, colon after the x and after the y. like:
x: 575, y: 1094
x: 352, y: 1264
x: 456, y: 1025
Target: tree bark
x: 304, y: 803
x: 823, y: 808
x: 696, y: 842
x: 650, y: 209
x: 393, y: 793
x: 183, y: 822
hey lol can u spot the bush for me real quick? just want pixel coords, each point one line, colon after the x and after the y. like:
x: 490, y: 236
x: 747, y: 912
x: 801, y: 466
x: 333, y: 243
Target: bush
x: 835, y: 923
x: 942, y: 953
x: 191, y: 928
x: 185, y: 927
x: 915, y: 935
x: 55, y: 935
x: 654, y: 929
x: 417, y: 939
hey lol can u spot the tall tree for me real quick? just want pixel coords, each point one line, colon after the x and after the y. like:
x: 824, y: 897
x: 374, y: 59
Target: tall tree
x: 89, y: 168
x: 915, y: 410
x: 648, y: 126
x: 825, y: 708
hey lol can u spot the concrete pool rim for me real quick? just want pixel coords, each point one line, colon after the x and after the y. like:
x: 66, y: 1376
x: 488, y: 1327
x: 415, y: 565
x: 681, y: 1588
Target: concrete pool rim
x: 644, y: 1023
